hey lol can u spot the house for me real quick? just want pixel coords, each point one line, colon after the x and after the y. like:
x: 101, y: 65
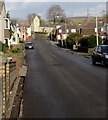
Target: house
x: 86, y: 29
x: 37, y: 27
x: 15, y: 37
x: 35, y: 24
x: 23, y: 32
x: 46, y: 28
x: 28, y: 30
x: 67, y: 29
x: 4, y: 25
x: 2, y: 16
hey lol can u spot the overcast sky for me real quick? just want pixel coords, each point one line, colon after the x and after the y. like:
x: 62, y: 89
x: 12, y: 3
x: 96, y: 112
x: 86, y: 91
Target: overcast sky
x: 72, y: 9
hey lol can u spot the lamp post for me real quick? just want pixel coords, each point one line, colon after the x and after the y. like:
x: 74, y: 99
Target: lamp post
x: 97, y: 39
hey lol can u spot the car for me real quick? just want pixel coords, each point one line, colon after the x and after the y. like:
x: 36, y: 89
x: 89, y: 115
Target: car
x: 29, y: 45
x: 100, y: 55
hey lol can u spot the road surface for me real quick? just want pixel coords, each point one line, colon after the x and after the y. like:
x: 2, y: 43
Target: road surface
x: 62, y: 85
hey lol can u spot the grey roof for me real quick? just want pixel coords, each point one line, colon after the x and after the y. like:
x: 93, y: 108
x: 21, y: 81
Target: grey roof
x: 46, y: 25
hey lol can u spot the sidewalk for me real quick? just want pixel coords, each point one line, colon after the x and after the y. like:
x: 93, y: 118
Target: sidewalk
x: 0, y: 87
x: 71, y: 51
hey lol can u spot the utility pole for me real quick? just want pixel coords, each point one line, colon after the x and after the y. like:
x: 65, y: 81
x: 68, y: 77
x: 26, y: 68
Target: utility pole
x: 97, y: 39
x: 65, y: 31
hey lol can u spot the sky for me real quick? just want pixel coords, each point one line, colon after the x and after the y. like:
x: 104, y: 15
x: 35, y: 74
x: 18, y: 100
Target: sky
x: 72, y: 9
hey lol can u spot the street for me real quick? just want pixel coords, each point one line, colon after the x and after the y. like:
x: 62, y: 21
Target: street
x: 62, y: 85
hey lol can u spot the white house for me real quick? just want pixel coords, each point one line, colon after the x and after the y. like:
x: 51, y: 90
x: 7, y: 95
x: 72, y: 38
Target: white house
x: 37, y: 27
x: 7, y: 31
x: 28, y: 31
x: 35, y: 24
x: 2, y: 16
x: 4, y: 25
x: 15, y: 37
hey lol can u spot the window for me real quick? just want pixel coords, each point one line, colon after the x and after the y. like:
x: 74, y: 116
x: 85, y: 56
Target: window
x: 98, y: 49
x: 6, y: 41
x: 7, y: 24
x: 73, y: 30
x: 67, y: 31
x: 14, y: 38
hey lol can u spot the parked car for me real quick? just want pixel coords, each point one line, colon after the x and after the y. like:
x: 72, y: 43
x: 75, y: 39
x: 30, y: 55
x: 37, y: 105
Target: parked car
x: 100, y: 54
x: 29, y: 45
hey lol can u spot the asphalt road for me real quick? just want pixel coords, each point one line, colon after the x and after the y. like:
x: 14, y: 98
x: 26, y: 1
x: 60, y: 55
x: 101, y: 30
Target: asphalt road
x: 62, y: 85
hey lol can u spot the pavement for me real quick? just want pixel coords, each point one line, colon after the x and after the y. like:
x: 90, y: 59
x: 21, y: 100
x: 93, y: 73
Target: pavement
x: 71, y: 51
x: 62, y: 85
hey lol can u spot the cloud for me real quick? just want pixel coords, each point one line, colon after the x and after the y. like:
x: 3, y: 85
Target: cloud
x: 56, y: 0
x: 92, y: 11
x: 21, y: 9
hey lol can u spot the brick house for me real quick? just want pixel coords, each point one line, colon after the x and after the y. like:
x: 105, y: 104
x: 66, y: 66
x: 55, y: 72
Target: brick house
x: 85, y: 29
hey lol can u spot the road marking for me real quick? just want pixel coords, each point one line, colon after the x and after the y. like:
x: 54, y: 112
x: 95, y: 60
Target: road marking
x: 53, y: 55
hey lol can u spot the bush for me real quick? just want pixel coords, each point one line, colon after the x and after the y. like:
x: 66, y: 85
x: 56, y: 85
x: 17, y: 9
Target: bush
x: 21, y: 41
x: 72, y: 39
x: 15, y: 50
x: 92, y: 42
x: 89, y: 41
x: 4, y: 47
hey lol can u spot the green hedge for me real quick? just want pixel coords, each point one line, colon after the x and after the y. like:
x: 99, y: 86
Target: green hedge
x: 89, y: 41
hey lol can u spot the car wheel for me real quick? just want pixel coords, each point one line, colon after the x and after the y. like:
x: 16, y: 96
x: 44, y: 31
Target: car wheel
x: 93, y: 62
x: 103, y: 63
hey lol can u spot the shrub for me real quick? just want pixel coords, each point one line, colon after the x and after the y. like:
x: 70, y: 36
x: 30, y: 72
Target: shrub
x: 4, y: 47
x: 89, y: 41
x: 15, y: 50
x: 73, y: 38
x: 92, y: 42
x: 21, y: 41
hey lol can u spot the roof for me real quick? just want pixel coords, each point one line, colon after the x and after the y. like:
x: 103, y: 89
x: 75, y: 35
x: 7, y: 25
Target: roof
x: 88, y: 31
x: 46, y: 25
x: 69, y: 27
x: 102, y: 34
x: 26, y: 26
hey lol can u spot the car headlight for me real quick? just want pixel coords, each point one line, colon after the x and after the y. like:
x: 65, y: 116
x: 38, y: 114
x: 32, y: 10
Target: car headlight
x: 106, y: 56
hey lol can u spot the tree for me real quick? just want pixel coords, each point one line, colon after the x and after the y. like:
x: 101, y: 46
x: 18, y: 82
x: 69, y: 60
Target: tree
x: 55, y: 13
x: 8, y: 15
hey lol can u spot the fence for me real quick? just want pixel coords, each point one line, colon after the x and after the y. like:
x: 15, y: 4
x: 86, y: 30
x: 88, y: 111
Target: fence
x: 9, y: 76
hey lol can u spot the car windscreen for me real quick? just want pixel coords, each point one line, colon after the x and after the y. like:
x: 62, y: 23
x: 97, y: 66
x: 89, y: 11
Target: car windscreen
x: 105, y: 49
x: 29, y: 43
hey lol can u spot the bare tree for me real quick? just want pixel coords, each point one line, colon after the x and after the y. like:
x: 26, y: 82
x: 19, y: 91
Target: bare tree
x: 55, y: 13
